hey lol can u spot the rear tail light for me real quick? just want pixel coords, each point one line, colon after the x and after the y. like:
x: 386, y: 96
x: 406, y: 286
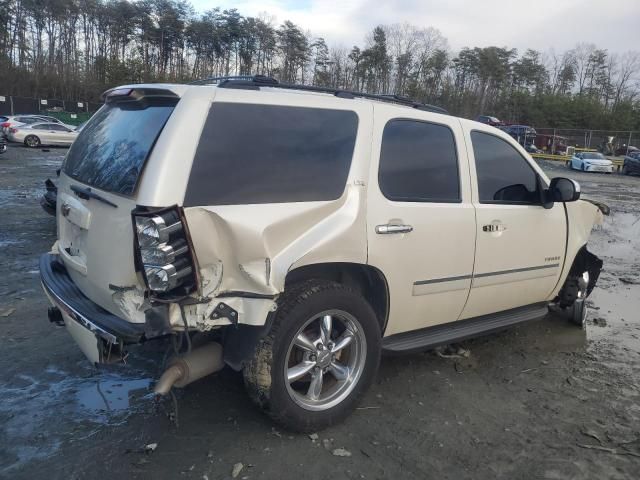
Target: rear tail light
x: 5, y: 124
x: 163, y: 252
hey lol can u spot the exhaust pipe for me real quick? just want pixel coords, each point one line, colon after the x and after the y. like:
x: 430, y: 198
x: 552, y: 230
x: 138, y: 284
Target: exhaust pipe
x: 188, y: 368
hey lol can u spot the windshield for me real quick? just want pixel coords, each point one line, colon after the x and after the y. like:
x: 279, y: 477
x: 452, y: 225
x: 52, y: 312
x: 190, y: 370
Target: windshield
x: 112, y: 148
x: 593, y: 156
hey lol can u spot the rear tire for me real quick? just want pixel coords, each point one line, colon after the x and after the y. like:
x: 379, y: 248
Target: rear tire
x: 302, y: 339
x: 32, y: 141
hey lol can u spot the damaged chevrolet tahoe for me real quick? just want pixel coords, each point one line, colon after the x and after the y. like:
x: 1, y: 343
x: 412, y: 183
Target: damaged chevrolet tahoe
x: 300, y: 233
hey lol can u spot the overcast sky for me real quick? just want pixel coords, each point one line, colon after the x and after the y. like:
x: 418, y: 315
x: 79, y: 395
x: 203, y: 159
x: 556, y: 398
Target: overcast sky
x: 538, y: 24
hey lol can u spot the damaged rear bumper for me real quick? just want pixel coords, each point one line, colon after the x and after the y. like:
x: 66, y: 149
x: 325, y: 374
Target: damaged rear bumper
x: 100, y: 334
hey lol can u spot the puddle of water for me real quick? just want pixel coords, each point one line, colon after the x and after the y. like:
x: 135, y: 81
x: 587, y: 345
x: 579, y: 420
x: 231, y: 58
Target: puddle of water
x: 111, y: 395
x: 618, y: 342
x: 6, y: 243
x: 624, y: 232
x: 18, y: 196
x: 33, y: 405
x: 620, y: 307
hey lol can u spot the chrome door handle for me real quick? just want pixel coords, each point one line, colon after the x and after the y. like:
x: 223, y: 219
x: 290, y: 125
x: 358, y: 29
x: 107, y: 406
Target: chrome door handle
x: 494, y: 227
x: 389, y: 229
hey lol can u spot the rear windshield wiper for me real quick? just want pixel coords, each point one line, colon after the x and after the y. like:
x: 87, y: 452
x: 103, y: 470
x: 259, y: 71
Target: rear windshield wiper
x: 87, y: 193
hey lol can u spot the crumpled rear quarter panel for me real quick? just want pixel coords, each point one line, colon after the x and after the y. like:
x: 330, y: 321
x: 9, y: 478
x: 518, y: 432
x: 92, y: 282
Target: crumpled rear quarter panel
x: 251, y: 248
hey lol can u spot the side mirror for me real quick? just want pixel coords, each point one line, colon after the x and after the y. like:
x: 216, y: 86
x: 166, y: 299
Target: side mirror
x: 564, y: 190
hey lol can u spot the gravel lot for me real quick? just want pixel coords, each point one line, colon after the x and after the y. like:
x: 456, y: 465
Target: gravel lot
x: 544, y: 400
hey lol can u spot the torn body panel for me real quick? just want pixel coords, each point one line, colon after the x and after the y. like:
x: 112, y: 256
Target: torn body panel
x: 244, y: 253
x: 582, y: 217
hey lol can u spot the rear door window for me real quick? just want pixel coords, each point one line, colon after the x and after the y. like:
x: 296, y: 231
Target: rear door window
x: 418, y: 162
x: 112, y: 148
x: 251, y: 154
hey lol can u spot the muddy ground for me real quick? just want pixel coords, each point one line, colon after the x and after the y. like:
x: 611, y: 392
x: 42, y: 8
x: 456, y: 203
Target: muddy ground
x: 544, y: 400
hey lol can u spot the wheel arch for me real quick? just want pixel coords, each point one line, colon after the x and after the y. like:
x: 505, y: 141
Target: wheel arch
x: 240, y: 341
x: 367, y: 279
x: 582, y: 216
x: 583, y: 261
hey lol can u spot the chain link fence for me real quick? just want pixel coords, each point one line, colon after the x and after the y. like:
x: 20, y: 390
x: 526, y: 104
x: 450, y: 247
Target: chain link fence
x: 75, y: 112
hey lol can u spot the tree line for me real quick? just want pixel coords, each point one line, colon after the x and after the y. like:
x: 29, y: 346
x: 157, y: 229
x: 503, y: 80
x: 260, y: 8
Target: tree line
x: 76, y: 49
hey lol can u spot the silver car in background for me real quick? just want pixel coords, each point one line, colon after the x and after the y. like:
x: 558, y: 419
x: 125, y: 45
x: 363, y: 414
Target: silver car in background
x: 6, y: 122
x: 39, y: 134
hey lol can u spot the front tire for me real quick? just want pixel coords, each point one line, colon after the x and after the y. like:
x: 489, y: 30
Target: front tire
x: 577, y: 313
x: 321, y: 354
x: 32, y: 141
x: 573, y: 299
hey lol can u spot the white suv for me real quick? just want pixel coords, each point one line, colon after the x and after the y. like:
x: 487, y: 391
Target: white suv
x: 300, y: 232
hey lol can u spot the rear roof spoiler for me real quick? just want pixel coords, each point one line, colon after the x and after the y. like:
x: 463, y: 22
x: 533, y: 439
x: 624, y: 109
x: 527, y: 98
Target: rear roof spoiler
x: 132, y: 94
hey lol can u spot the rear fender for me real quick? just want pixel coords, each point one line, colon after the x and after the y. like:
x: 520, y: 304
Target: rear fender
x: 244, y: 253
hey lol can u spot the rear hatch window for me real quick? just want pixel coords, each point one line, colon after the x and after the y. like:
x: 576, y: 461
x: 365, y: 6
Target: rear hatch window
x: 111, y: 150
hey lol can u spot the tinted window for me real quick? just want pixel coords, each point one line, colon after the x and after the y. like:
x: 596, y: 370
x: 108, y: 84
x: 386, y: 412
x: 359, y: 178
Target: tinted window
x: 40, y: 126
x: 59, y: 128
x: 271, y: 154
x: 111, y: 150
x: 418, y: 163
x: 504, y: 176
x: 28, y: 120
x: 593, y: 156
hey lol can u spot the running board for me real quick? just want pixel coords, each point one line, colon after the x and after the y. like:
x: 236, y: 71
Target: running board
x: 430, y: 337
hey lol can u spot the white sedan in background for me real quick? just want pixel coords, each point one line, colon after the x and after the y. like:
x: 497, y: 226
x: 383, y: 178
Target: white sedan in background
x: 39, y: 134
x: 591, y: 162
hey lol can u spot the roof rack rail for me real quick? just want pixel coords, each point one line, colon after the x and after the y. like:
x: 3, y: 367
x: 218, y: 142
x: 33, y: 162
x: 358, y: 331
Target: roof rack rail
x: 254, y: 82
x: 211, y: 80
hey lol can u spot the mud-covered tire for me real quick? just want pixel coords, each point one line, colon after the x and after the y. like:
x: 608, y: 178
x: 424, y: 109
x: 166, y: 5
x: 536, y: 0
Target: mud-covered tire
x: 32, y: 141
x: 265, y: 375
x: 573, y: 308
x: 577, y: 313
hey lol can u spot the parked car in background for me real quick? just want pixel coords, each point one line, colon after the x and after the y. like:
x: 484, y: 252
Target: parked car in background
x: 42, y: 134
x: 631, y: 163
x: 7, y: 122
x: 523, y: 134
x: 48, y: 119
x: 488, y: 120
x: 3, y: 144
x: 624, y: 150
x: 591, y: 162
x: 18, y: 120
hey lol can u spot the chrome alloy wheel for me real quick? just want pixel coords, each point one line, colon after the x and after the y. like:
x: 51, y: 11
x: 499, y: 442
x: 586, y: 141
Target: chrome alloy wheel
x: 325, y: 360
